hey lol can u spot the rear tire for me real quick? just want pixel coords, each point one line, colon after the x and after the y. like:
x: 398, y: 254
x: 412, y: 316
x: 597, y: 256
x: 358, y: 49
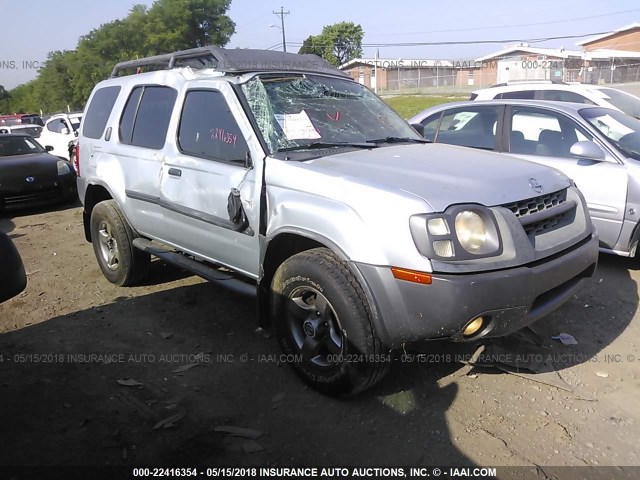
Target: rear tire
x: 112, y: 237
x: 319, y: 310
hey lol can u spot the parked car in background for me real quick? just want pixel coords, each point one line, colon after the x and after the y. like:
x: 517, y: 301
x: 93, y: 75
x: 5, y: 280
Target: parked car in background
x: 29, y: 175
x: 59, y: 130
x: 29, y: 129
x: 21, y: 118
x: 564, y: 92
x: 599, y: 148
x: 353, y: 233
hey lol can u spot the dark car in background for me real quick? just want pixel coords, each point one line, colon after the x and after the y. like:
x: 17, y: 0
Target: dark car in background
x: 30, y: 175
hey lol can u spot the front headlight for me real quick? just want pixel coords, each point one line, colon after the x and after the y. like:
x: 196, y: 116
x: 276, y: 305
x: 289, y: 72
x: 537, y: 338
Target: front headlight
x: 63, y: 167
x: 471, y: 231
x: 460, y: 233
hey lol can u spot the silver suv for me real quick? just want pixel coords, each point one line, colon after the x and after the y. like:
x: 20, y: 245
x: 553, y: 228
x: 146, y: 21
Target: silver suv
x: 354, y: 235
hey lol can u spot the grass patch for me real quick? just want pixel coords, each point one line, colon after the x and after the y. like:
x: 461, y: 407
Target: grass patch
x: 408, y: 105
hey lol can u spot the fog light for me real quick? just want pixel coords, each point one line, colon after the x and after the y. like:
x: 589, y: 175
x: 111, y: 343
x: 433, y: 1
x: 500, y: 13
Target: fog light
x: 473, y: 327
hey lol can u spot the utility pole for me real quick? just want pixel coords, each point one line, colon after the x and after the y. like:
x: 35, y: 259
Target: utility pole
x: 282, y: 14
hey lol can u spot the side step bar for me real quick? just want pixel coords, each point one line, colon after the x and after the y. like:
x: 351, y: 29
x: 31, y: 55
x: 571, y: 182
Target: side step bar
x: 197, y: 268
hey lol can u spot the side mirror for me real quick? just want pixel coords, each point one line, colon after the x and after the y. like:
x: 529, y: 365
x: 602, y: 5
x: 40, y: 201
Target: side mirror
x: 76, y: 133
x: 418, y: 127
x: 13, y: 279
x: 587, y: 150
x: 49, y: 148
x: 65, y: 131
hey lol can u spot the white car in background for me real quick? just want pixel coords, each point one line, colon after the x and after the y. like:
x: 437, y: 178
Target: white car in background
x: 563, y: 92
x: 59, y: 131
x: 29, y: 129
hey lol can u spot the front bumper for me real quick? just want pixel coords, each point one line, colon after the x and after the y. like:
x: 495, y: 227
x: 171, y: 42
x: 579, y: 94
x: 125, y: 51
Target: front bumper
x: 511, y: 299
x: 64, y: 189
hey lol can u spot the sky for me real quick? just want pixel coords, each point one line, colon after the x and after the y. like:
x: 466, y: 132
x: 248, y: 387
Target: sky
x: 31, y: 29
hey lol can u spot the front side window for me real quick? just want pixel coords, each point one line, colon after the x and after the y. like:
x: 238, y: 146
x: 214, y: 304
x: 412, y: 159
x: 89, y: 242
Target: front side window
x: 146, y: 118
x: 209, y: 130
x: 99, y: 111
x: 469, y: 127
x: 56, y: 125
x: 543, y: 133
x: 295, y: 112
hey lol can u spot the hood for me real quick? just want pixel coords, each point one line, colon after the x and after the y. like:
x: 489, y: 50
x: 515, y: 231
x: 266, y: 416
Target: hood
x: 15, y: 169
x: 443, y: 175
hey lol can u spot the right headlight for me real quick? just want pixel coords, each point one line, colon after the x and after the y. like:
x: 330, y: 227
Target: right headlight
x: 462, y: 232
x: 471, y: 231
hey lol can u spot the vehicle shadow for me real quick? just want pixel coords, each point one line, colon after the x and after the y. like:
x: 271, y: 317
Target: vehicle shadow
x: 597, y: 315
x: 147, y: 381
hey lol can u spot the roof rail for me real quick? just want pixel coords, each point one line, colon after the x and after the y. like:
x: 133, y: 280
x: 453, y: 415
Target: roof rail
x: 238, y: 60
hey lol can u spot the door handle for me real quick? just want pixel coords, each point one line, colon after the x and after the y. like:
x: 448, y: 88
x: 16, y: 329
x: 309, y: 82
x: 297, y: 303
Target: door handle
x: 175, y: 172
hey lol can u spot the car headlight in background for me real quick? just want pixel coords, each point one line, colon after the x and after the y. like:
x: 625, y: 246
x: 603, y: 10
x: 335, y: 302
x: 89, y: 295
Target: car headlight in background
x: 462, y: 232
x: 63, y: 167
x: 471, y: 231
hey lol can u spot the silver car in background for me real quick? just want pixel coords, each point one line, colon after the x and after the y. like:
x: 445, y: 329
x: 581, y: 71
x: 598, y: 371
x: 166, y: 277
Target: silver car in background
x: 597, y: 147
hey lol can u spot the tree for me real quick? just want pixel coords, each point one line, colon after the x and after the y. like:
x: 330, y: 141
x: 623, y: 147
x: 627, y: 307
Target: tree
x: 180, y: 24
x: 5, y: 98
x: 338, y: 43
x: 312, y: 44
x: 68, y: 77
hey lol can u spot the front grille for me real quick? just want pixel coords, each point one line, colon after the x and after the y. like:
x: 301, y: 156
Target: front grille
x: 537, y: 204
x: 550, y: 223
x: 541, y: 214
x: 39, y: 196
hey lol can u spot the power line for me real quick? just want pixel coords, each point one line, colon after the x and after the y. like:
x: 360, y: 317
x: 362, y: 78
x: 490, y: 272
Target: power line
x: 513, y: 26
x: 468, y: 42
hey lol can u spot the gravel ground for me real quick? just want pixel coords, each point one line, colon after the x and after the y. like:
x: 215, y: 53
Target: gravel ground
x: 93, y: 374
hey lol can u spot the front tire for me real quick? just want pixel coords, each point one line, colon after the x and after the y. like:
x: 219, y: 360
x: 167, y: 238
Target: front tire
x: 319, y: 312
x: 121, y: 263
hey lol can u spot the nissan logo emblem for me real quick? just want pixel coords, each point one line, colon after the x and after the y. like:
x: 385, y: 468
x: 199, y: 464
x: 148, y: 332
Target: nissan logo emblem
x: 30, y: 179
x: 533, y: 183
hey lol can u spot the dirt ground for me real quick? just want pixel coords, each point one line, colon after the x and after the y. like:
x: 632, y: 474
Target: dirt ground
x: 93, y: 374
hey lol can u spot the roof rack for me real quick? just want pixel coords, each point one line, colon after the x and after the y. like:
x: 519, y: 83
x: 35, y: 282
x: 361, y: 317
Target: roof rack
x: 238, y: 60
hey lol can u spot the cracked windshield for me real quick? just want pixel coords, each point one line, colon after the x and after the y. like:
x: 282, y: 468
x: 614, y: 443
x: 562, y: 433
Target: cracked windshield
x: 295, y: 112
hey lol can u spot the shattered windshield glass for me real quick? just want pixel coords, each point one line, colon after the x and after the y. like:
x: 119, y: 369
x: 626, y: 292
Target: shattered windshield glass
x: 297, y: 112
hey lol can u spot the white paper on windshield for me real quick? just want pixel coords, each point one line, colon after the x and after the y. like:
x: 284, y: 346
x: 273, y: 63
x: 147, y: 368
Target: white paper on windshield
x: 297, y: 126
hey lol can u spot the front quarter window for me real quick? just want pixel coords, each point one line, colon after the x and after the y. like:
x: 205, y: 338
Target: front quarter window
x: 295, y: 111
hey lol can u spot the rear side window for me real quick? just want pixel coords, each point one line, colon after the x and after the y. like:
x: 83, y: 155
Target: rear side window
x: 520, y: 95
x: 208, y: 129
x: 145, y: 120
x: 99, y: 111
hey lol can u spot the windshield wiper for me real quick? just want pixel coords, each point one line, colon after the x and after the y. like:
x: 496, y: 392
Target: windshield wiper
x: 399, y: 140
x: 317, y: 145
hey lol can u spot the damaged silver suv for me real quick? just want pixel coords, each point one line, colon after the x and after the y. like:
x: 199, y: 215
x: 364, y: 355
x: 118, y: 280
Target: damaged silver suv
x: 279, y: 176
